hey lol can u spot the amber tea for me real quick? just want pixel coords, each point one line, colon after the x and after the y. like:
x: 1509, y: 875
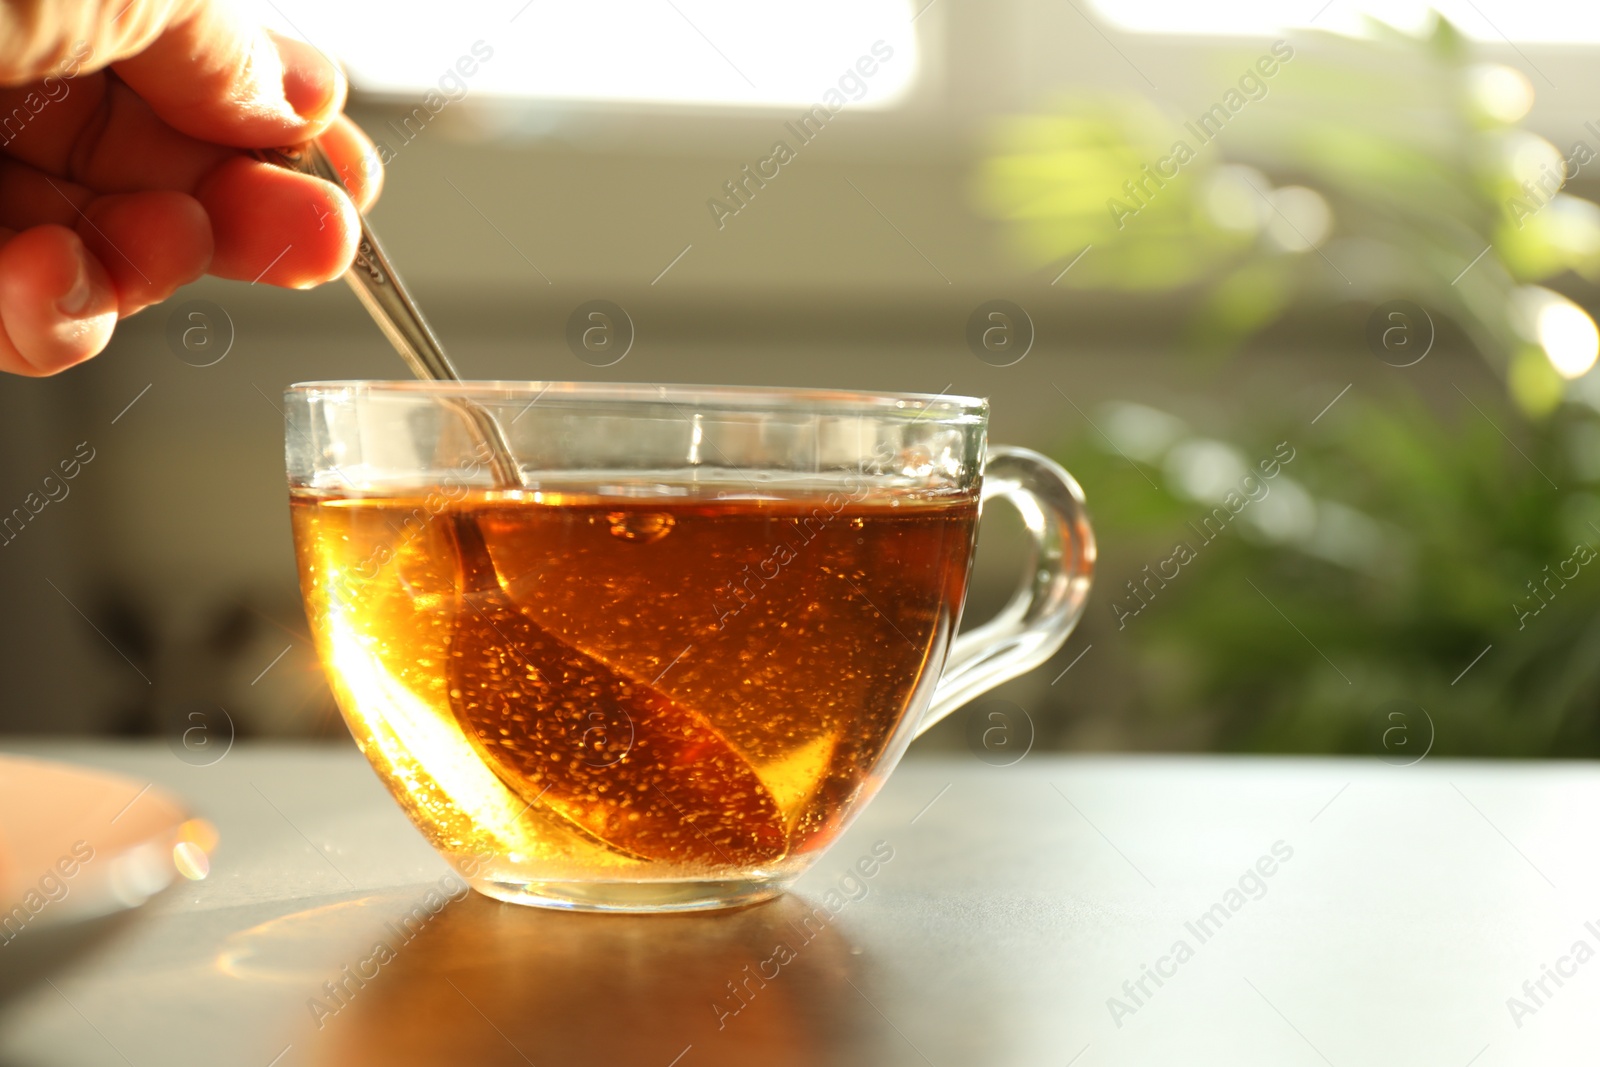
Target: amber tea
x: 593, y: 689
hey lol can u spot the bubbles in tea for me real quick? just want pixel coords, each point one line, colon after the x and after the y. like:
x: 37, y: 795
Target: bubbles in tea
x: 621, y: 688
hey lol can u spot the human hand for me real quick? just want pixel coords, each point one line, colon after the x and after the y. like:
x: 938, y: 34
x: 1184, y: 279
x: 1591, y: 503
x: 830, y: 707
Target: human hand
x: 125, y: 171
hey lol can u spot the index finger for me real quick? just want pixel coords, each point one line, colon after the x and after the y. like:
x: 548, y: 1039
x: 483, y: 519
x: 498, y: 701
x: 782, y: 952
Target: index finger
x: 219, y: 78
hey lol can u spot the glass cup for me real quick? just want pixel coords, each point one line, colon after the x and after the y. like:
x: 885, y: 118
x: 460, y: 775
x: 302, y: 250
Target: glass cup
x: 668, y: 668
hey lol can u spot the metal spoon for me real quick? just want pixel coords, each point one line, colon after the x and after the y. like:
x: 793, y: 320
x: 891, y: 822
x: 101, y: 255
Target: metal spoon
x: 678, y: 791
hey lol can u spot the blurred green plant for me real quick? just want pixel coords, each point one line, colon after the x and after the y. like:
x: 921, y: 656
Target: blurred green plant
x: 1399, y: 556
x: 1376, y: 566
x: 1375, y: 169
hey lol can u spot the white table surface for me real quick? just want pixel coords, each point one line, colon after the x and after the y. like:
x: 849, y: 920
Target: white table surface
x: 1416, y: 902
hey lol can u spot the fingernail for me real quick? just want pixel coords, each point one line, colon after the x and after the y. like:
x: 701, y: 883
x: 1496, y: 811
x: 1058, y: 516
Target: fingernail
x: 311, y: 83
x: 76, y: 302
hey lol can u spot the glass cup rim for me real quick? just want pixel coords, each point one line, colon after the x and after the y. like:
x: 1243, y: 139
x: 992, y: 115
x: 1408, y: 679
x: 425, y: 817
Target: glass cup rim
x: 936, y: 407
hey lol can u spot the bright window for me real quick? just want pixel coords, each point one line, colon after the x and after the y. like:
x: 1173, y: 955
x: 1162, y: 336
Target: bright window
x: 784, y: 53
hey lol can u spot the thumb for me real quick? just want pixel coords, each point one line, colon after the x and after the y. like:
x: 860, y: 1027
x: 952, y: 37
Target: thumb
x: 215, y: 76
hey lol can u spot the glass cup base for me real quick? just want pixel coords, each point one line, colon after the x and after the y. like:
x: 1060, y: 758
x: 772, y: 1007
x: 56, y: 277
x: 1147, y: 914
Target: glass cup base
x: 643, y: 896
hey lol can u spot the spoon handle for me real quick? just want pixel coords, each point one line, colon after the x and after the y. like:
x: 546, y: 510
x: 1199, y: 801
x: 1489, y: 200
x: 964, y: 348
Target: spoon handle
x: 374, y: 280
x: 389, y: 303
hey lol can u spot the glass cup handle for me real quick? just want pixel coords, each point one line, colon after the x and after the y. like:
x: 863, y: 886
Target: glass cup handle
x: 1055, y: 584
